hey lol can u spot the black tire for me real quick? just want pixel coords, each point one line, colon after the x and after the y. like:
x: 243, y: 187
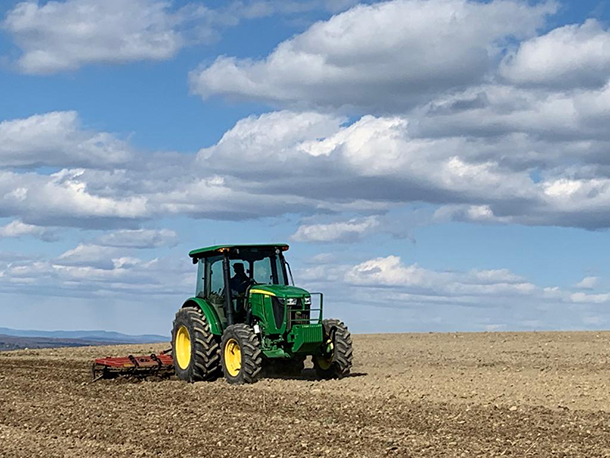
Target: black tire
x: 339, y: 362
x: 251, y: 355
x: 204, y: 363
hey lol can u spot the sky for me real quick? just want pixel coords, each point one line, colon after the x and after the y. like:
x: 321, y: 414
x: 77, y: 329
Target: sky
x: 435, y: 165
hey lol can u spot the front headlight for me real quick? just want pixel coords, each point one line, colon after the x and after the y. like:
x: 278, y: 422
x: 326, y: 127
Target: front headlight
x: 291, y: 301
x: 307, y: 301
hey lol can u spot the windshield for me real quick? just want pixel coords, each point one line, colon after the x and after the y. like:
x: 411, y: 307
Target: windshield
x: 262, y: 267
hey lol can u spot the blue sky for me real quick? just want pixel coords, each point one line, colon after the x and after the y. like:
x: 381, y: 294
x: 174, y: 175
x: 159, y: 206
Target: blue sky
x: 435, y: 165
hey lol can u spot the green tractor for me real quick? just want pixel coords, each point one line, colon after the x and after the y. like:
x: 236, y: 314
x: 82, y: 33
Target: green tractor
x: 246, y: 314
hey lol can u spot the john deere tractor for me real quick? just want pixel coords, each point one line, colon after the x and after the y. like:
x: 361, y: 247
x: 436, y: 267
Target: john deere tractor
x: 246, y: 314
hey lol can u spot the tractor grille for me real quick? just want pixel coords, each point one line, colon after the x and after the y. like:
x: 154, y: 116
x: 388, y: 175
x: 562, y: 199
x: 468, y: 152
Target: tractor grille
x: 310, y: 334
x: 304, y: 314
x: 297, y: 314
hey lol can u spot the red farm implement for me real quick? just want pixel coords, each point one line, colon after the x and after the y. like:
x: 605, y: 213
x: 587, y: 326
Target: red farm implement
x: 160, y: 365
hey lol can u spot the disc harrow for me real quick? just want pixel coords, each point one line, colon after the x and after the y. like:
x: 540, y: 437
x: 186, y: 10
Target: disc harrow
x: 158, y: 365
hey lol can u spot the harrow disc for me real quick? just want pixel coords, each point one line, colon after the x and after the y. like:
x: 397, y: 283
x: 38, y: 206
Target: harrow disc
x: 159, y: 365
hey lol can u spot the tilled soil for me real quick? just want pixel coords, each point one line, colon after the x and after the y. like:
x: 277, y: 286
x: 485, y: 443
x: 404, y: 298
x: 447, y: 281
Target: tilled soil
x: 409, y: 395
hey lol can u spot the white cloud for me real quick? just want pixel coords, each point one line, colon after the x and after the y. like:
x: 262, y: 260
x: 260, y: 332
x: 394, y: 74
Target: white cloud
x: 505, y: 296
x: 310, y: 163
x: 390, y: 271
x: 58, y: 139
x: 383, y: 56
x: 91, y: 271
x: 270, y: 136
x: 58, y: 36
x: 570, y: 56
x: 528, y: 121
x: 138, y: 238
x: 62, y: 199
x: 282, y: 162
x: 378, y: 159
x: 65, y: 35
x: 345, y: 231
x: 17, y: 228
x: 374, y: 159
x: 582, y: 298
x: 587, y: 283
x: 89, y: 255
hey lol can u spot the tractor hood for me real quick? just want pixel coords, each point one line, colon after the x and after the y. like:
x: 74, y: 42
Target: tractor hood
x: 279, y: 290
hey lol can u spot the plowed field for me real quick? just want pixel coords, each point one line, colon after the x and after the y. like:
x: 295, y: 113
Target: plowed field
x: 410, y: 395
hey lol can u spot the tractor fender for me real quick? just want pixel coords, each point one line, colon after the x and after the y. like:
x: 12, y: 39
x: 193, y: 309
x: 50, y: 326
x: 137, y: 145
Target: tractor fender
x: 209, y: 313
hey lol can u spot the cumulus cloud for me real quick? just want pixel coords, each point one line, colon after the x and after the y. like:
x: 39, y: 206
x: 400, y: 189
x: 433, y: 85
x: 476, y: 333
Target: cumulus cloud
x: 583, y: 298
x: 138, y: 238
x: 390, y: 282
x: 88, y: 255
x: 344, y: 231
x: 493, y: 151
x: 389, y: 160
x: 391, y: 272
x: 314, y: 163
x: 269, y: 140
x: 65, y: 35
x: 62, y: 199
x: 532, y: 118
x: 587, y: 283
x: 17, y: 228
x: 58, y: 139
x: 373, y: 159
x: 90, y: 271
x: 59, y: 36
x: 570, y: 56
x: 384, y: 56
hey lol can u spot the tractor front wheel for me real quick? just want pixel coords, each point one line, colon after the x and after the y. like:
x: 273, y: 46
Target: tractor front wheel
x: 336, y: 360
x: 195, y: 349
x: 241, y: 355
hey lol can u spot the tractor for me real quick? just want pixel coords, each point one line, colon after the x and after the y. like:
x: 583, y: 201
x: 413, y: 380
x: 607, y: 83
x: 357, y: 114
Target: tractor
x: 247, y: 314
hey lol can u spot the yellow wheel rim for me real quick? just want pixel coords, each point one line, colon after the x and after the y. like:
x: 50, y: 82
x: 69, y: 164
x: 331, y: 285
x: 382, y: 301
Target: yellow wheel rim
x: 183, y: 347
x: 232, y: 357
x: 325, y: 363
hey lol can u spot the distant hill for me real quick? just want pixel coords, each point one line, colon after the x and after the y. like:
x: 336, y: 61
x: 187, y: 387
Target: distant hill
x: 19, y: 343
x: 13, y: 339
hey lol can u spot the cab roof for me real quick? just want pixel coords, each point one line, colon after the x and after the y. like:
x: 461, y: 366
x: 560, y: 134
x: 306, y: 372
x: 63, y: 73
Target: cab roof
x: 216, y: 249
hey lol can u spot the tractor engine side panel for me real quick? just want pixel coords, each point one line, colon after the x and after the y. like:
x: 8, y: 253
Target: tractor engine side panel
x: 275, y: 313
x: 257, y: 307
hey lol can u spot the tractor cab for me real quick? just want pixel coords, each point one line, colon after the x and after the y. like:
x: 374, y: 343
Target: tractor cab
x: 246, y: 310
x: 228, y: 276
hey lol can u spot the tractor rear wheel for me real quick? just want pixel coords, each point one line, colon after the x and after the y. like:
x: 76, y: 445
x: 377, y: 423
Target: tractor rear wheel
x: 336, y: 362
x: 195, y: 349
x: 241, y: 355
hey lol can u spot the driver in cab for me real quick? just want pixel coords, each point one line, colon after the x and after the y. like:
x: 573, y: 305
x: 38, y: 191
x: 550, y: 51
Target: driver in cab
x: 240, y: 281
